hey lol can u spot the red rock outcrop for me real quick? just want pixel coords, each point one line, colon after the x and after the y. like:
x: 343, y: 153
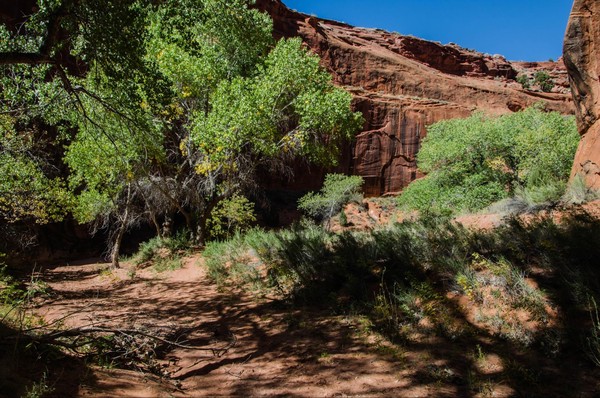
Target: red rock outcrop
x: 556, y: 70
x: 582, y: 58
x: 402, y: 84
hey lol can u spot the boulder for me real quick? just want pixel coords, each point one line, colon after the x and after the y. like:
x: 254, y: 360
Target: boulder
x: 581, y: 54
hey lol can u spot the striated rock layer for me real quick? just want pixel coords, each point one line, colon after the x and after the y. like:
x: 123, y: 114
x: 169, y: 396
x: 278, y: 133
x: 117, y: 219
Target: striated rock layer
x: 581, y: 56
x: 402, y: 84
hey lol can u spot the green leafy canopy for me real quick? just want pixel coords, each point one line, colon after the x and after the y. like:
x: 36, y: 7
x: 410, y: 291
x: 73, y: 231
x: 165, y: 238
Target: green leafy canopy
x: 476, y: 161
x: 161, y: 108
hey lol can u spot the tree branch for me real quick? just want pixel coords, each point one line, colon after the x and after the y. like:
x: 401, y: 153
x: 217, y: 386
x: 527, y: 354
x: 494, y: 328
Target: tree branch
x: 14, y: 57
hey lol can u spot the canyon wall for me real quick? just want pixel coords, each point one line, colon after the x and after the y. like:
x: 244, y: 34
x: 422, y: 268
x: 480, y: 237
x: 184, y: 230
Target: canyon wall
x: 581, y: 56
x: 402, y: 84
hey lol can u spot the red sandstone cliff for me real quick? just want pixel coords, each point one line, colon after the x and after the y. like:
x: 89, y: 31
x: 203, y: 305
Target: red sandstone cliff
x: 581, y: 56
x: 402, y: 84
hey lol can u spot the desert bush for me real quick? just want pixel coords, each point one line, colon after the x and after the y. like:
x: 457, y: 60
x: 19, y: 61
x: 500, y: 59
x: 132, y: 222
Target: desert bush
x: 216, y: 257
x: 540, y: 195
x: 164, y: 253
x: 524, y: 81
x: 400, y: 274
x: 578, y: 192
x: 239, y: 259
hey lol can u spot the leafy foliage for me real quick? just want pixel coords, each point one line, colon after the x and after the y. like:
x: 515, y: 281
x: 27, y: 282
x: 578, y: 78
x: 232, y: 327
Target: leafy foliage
x: 337, y: 190
x: 280, y: 110
x: 524, y: 81
x: 230, y: 216
x: 30, y: 188
x: 172, y: 114
x: 474, y: 162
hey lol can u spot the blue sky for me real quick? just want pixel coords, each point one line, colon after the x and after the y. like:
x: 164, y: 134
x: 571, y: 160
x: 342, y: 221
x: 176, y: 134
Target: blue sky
x: 528, y: 30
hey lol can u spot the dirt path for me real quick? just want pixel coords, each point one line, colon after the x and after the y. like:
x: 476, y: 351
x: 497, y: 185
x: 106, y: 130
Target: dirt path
x: 278, y: 351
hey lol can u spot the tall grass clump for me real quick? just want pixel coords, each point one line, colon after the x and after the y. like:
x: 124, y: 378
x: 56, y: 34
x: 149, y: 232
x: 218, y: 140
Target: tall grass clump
x: 240, y: 259
x: 593, y: 341
x: 578, y: 192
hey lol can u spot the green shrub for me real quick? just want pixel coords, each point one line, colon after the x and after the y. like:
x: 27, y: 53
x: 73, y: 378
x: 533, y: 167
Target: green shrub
x: 238, y: 260
x: 524, y: 81
x: 230, y: 216
x: 578, y: 192
x: 402, y: 273
x: 164, y: 253
x: 337, y: 191
x: 474, y: 162
x: 543, y: 80
x: 216, y: 255
x: 541, y: 195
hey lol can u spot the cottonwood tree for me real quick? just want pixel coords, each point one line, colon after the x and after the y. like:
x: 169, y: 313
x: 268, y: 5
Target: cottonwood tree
x: 178, y: 111
x: 46, y: 50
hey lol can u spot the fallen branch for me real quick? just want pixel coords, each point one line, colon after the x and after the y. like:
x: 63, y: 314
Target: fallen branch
x: 132, y: 348
x: 74, y: 332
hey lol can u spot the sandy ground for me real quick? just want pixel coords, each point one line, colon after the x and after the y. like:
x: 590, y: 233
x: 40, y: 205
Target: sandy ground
x: 278, y: 351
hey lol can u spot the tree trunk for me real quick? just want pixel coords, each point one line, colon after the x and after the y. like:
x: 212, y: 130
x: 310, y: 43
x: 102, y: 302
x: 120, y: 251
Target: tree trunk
x: 201, y: 232
x: 189, y: 222
x: 156, y: 225
x: 116, y: 249
x: 167, y: 226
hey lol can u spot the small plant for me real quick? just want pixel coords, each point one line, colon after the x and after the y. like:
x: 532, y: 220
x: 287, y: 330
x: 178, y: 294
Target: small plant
x: 40, y: 388
x: 163, y: 253
x: 167, y: 264
x: 131, y: 273
x: 235, y: 262
x: 578, y: 192
x: 10, y: 291
x: 544, y: 81
x: 540, y: 195
x: 467, y: 280
x: 343, y: 219
x: 479, y: 354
